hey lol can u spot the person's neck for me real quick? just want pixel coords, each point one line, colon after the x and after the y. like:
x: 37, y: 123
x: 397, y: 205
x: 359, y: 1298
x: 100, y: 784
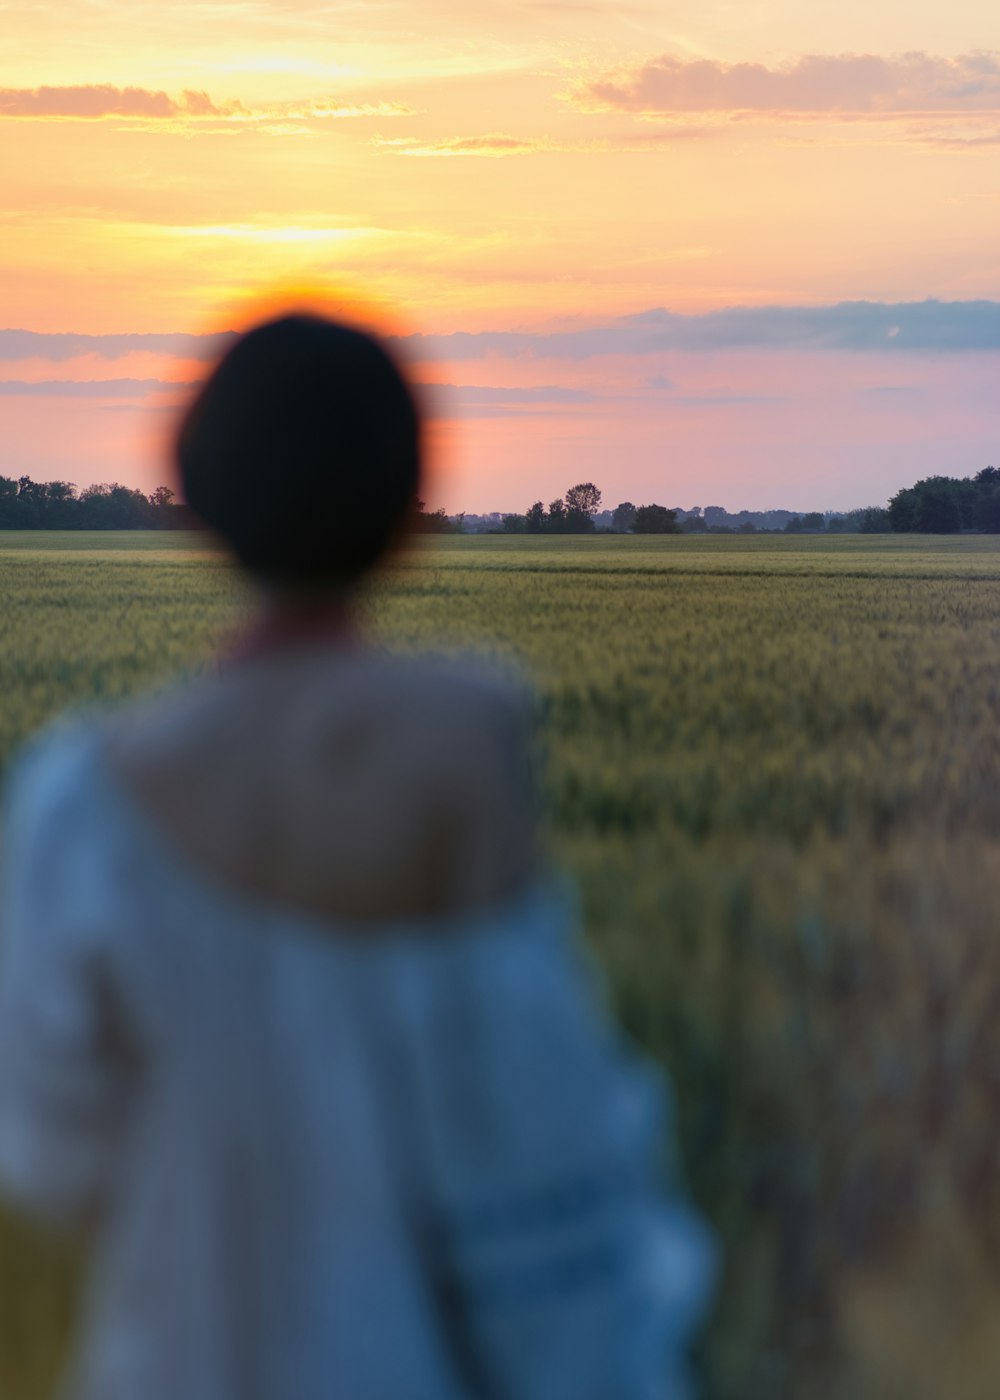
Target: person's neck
x: 323, y: 621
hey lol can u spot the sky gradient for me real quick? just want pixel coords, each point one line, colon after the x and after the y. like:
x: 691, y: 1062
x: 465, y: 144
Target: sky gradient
x: 736, y: 254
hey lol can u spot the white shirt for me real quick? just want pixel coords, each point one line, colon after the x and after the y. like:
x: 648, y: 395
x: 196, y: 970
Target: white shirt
x: 317, y: 1163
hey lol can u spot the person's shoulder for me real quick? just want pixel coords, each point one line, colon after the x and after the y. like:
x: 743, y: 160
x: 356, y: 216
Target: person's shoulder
x: 454, y: 690
x: 53, y: 816
x: 394, y: 694
x: 49, y: 771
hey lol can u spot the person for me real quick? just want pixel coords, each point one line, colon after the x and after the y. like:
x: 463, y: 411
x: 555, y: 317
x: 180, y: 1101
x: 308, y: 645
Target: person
x: 293, y: 1020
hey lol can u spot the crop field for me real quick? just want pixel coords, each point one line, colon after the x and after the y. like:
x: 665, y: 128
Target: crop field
x: 773, y: 765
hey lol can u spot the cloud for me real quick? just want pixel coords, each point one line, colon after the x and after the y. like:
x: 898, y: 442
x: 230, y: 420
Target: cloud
x: 492, y: 146
x: 64, y: 345
x: 90, y: 100
x: 318, y: 110
x: 722, y: 400
x: 498, y: 401
x: 485, y: 394
x: 498, y: 145
x: 91, y: 388
x: 958, y: 141
x: 891, y: 327
x: 814, y: 83
x: 856, y: 325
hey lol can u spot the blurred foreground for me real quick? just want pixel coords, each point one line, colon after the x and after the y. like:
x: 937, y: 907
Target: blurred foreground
x: 774, y: 765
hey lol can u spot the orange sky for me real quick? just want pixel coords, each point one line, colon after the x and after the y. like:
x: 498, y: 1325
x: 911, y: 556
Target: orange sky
x: 553, y: 169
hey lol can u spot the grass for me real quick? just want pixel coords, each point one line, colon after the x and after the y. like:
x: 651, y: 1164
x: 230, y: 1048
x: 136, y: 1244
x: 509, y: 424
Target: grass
x: 773, y: 764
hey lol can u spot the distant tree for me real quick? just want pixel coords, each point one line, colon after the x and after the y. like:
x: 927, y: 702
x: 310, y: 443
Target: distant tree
x: 988, y: 511
x: 514, y: 525
x: 623, y: 517
x: 869, y: 520
x: 655, y: 520
x: 939, y: 505
x: 903, y: 510
x: 582, y: 504
x: 8, y: 503
x: 986, y: 503
x: 535, y: 518
x: 433, y: 522
x: 694, y: 525
x: 114, y: 507
x: 30, y: 504
x: 793, y: 526
x: 556, y: 521
x: 938, y: 512
x: 60, y: 505
x: 812, y: 520
x: 747, y: 527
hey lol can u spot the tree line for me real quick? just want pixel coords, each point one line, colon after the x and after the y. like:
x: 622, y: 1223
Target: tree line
x: 944, y: 505
x: 573, y: 514
x: 57, y: 505
x: 936, y: 505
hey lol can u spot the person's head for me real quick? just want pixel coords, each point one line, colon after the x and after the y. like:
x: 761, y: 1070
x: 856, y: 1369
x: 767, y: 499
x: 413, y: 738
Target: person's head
x: 302, y: 451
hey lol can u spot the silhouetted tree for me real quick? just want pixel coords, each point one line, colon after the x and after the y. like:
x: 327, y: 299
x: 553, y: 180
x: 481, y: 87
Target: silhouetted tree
x: 582, y: 504
x: 870, y: 520
x: 986, y: 509
x: 557, y: 517
x: 60, y: 506
x: 938, y: 512
x: 655, y: 520
x: 623, y: 517
x: 433, y: 522
x: 535, y: 518
x: 937, y: 505
x: 8, y: 503
x: 55, y: 505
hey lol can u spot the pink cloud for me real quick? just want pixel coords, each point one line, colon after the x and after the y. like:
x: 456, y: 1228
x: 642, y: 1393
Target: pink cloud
x: 830, y: 83
x: 103, y: 100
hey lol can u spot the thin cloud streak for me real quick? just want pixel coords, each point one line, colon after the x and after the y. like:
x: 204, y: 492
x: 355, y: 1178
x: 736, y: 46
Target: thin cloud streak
x: 815, y: 83
x: 446, y: 400
x: 62, y: 345
x: 94, y: 101
x: 499, y: 145
x: 487, y: 394
x: 91, y: 100
x: 895, y: 328
x: 891, y: 327
x: 93, y: 388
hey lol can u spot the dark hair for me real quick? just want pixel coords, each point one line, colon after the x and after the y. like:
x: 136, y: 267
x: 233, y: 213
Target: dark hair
x: 302, y: 450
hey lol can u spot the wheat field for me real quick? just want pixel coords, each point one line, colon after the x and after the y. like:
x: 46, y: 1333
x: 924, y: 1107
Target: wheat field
x: 773, y: 765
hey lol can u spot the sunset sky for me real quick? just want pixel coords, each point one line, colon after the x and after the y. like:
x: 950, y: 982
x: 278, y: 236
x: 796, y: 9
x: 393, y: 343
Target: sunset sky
x: 736, y: 253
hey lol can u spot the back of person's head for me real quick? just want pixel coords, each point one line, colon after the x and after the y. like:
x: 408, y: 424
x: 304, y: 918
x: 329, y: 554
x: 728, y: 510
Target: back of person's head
x: 302, y: 451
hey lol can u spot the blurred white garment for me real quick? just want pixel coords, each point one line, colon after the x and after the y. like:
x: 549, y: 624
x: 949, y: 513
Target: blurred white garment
x: 317, y: 1163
